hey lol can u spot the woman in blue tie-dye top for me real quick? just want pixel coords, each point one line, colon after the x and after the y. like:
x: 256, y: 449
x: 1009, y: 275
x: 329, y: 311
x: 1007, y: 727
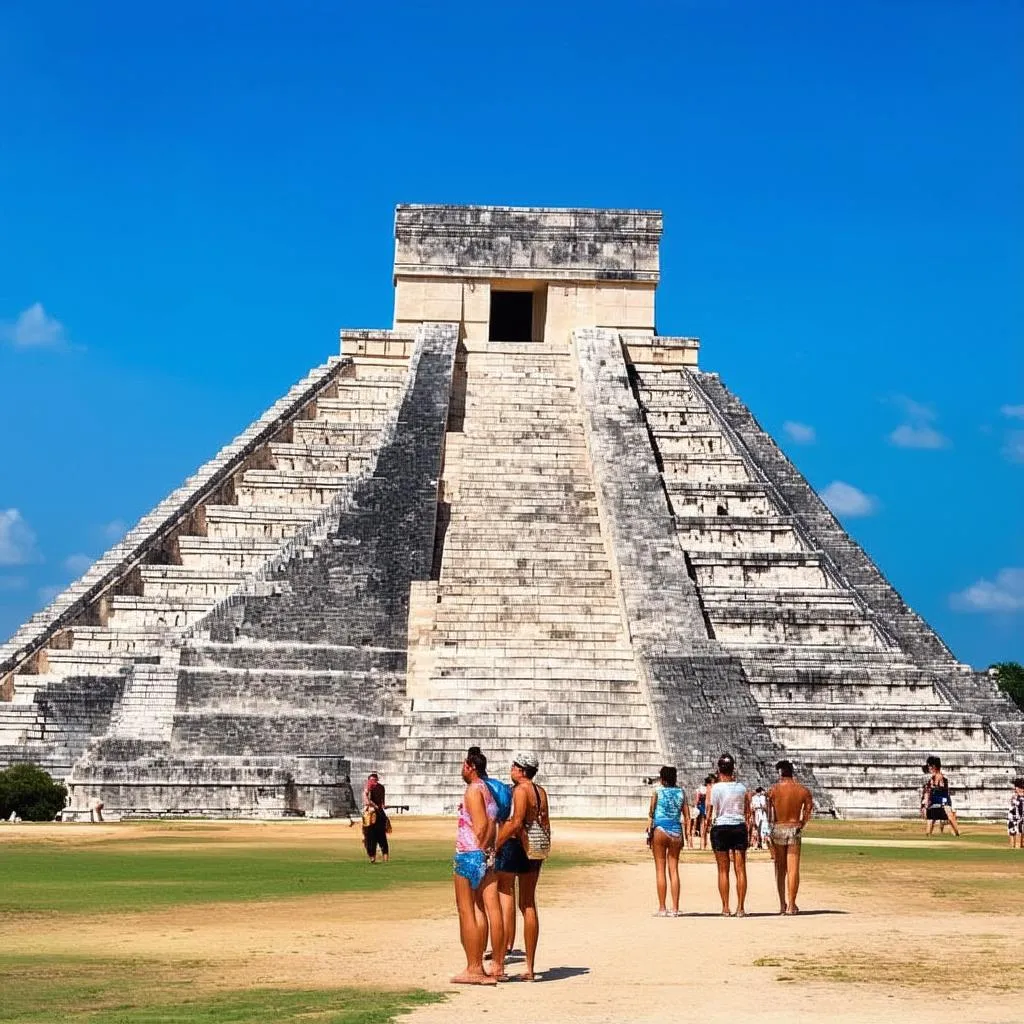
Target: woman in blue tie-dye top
x: 667, y: 822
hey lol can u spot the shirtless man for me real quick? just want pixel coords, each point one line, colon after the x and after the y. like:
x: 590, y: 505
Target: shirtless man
x: 790, y: 806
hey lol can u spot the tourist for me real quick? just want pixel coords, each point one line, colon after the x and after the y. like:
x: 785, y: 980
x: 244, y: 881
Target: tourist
x: 1015, y: 816
x: 699, y: 819
x: 376, y: 825
x: 476, y: 886
x: 668, y: 820
x: 529, y: 806
x: 936, y: 801
x: 790, y: 806
x: 728, y: 811
x: 759, y: 829
x: 502, y: 793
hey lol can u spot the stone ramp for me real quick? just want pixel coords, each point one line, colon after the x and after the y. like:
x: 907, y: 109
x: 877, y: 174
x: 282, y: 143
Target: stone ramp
x: 522, y: 643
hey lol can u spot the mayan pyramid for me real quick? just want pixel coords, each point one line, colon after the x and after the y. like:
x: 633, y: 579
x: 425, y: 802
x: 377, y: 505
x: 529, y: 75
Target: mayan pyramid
x: 519, y: 518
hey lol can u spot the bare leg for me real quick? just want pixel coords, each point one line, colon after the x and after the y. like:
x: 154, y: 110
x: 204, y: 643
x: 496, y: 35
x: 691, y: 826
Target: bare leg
x: 658, y: 848
x: 951, y: 818
x: 722, y: 860
x: 675, y: 847
x: 469, y: 934
x: 531, y: 922
x: 931, y: 826
x: 740, y: 864
x: 507, y: 899
x: 793, y: 870
x: 487, y: 897
x: 779, y: 856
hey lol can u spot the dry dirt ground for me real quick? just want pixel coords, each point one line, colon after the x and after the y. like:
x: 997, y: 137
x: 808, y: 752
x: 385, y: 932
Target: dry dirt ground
x: 866, y: 949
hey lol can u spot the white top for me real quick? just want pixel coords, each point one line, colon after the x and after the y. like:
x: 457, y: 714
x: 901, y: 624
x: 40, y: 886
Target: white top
x: 729, y: 802
x: 759, y: 803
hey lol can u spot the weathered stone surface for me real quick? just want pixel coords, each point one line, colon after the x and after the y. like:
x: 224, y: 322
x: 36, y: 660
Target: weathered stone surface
x: 572, y: 543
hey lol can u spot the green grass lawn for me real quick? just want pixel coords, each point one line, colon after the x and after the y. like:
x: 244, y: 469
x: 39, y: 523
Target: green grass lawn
x: 44, y: 990
x: 175, y: 869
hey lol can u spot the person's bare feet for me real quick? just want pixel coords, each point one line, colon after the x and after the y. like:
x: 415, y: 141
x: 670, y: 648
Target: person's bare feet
x: 527, y: 976
x: 472, y: 978
x: 740, y: 912
x: 726, y: 912
x: 793, y: 910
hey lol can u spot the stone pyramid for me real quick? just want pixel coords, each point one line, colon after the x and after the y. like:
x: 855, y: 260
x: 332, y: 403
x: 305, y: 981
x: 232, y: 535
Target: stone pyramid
x: 520, y: 518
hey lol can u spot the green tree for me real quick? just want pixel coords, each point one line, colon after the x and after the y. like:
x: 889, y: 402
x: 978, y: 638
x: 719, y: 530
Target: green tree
x: 30, y: 793
x: 1010, y: 679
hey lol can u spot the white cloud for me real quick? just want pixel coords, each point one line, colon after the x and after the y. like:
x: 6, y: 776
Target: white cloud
x: 114, y: 530
x: 1014, y: 412
x: 907, y: 435
x: 1004, y: 594
x: 34, y: 328
x: 846, y: 500
x: 1013, y: 446
x: 17, y: 539
x: 801, y: 433
x: 77, y: 564
x: 917, y: 431
x: 48, y: 594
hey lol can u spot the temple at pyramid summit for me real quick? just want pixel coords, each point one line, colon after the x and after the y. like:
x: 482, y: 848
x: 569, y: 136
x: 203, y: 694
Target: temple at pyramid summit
x: 519, y: 517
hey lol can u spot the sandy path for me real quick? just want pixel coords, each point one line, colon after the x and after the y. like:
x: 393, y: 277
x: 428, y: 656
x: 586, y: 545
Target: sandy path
x: 605, y: 958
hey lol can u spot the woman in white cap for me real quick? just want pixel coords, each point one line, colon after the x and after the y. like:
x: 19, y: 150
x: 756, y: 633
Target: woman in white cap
x: 529, y: 805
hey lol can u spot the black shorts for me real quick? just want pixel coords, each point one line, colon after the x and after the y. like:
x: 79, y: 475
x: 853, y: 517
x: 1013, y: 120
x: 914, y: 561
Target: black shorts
x: 725, y: 838
x: 512, y: 859
x: 936, y: 812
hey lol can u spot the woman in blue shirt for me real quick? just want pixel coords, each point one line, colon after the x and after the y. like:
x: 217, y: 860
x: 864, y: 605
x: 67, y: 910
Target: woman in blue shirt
x: 668, y: 819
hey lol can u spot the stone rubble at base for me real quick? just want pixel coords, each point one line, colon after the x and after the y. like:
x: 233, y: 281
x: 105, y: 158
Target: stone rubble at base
x: 573, y: 542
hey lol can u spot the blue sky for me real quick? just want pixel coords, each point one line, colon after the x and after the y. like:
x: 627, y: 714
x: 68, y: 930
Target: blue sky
x: 194, y: 197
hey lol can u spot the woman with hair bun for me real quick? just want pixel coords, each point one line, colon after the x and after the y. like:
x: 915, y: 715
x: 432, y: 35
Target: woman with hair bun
x: 668, y: 820
x: 729, y: 816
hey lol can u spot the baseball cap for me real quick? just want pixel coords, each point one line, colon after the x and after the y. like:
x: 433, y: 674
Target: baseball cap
x: 526, y: 760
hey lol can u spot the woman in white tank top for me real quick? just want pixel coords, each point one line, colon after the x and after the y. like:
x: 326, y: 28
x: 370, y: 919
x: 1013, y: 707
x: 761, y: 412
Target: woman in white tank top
x: 729, y: 818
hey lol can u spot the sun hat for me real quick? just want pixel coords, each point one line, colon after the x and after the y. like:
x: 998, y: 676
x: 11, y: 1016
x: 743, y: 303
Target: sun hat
x: 525, y: 760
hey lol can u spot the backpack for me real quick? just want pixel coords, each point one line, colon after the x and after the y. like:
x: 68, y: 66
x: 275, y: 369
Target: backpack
x: 502, y: 793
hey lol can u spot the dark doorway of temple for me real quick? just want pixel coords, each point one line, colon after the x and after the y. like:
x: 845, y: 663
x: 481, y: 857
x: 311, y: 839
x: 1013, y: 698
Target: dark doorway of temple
x: 511, y: 316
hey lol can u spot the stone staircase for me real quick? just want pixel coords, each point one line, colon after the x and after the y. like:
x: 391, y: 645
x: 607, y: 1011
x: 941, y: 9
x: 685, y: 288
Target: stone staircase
x: 119, y: 658
x: 525, y: 645
x: 848, y: 680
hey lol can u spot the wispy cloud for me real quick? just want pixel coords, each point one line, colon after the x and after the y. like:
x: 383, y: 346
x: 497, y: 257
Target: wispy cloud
x: 846, y: 500
x: 1013, y: 446
x: 1003, y: 594
x: 77, y: 564
x: 17, y: 539
x: 917, y: 430
x: 801, y: 433
x: 114, y: 530
x: 34, y: 328
x: 1014, y: 412
x: 906, y: 435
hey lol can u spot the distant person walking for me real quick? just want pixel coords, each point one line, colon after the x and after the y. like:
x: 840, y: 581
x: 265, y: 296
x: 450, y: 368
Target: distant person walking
x: 790, y: 806
x: 668, y: 820
x: 937, y: 803
x: 1015, y: 816
x: 375, y: 820
x: 513, y: 859
x: 729, y: 818
x: 699, y: 817
x: 759, y: 805
x: 476, y: 885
